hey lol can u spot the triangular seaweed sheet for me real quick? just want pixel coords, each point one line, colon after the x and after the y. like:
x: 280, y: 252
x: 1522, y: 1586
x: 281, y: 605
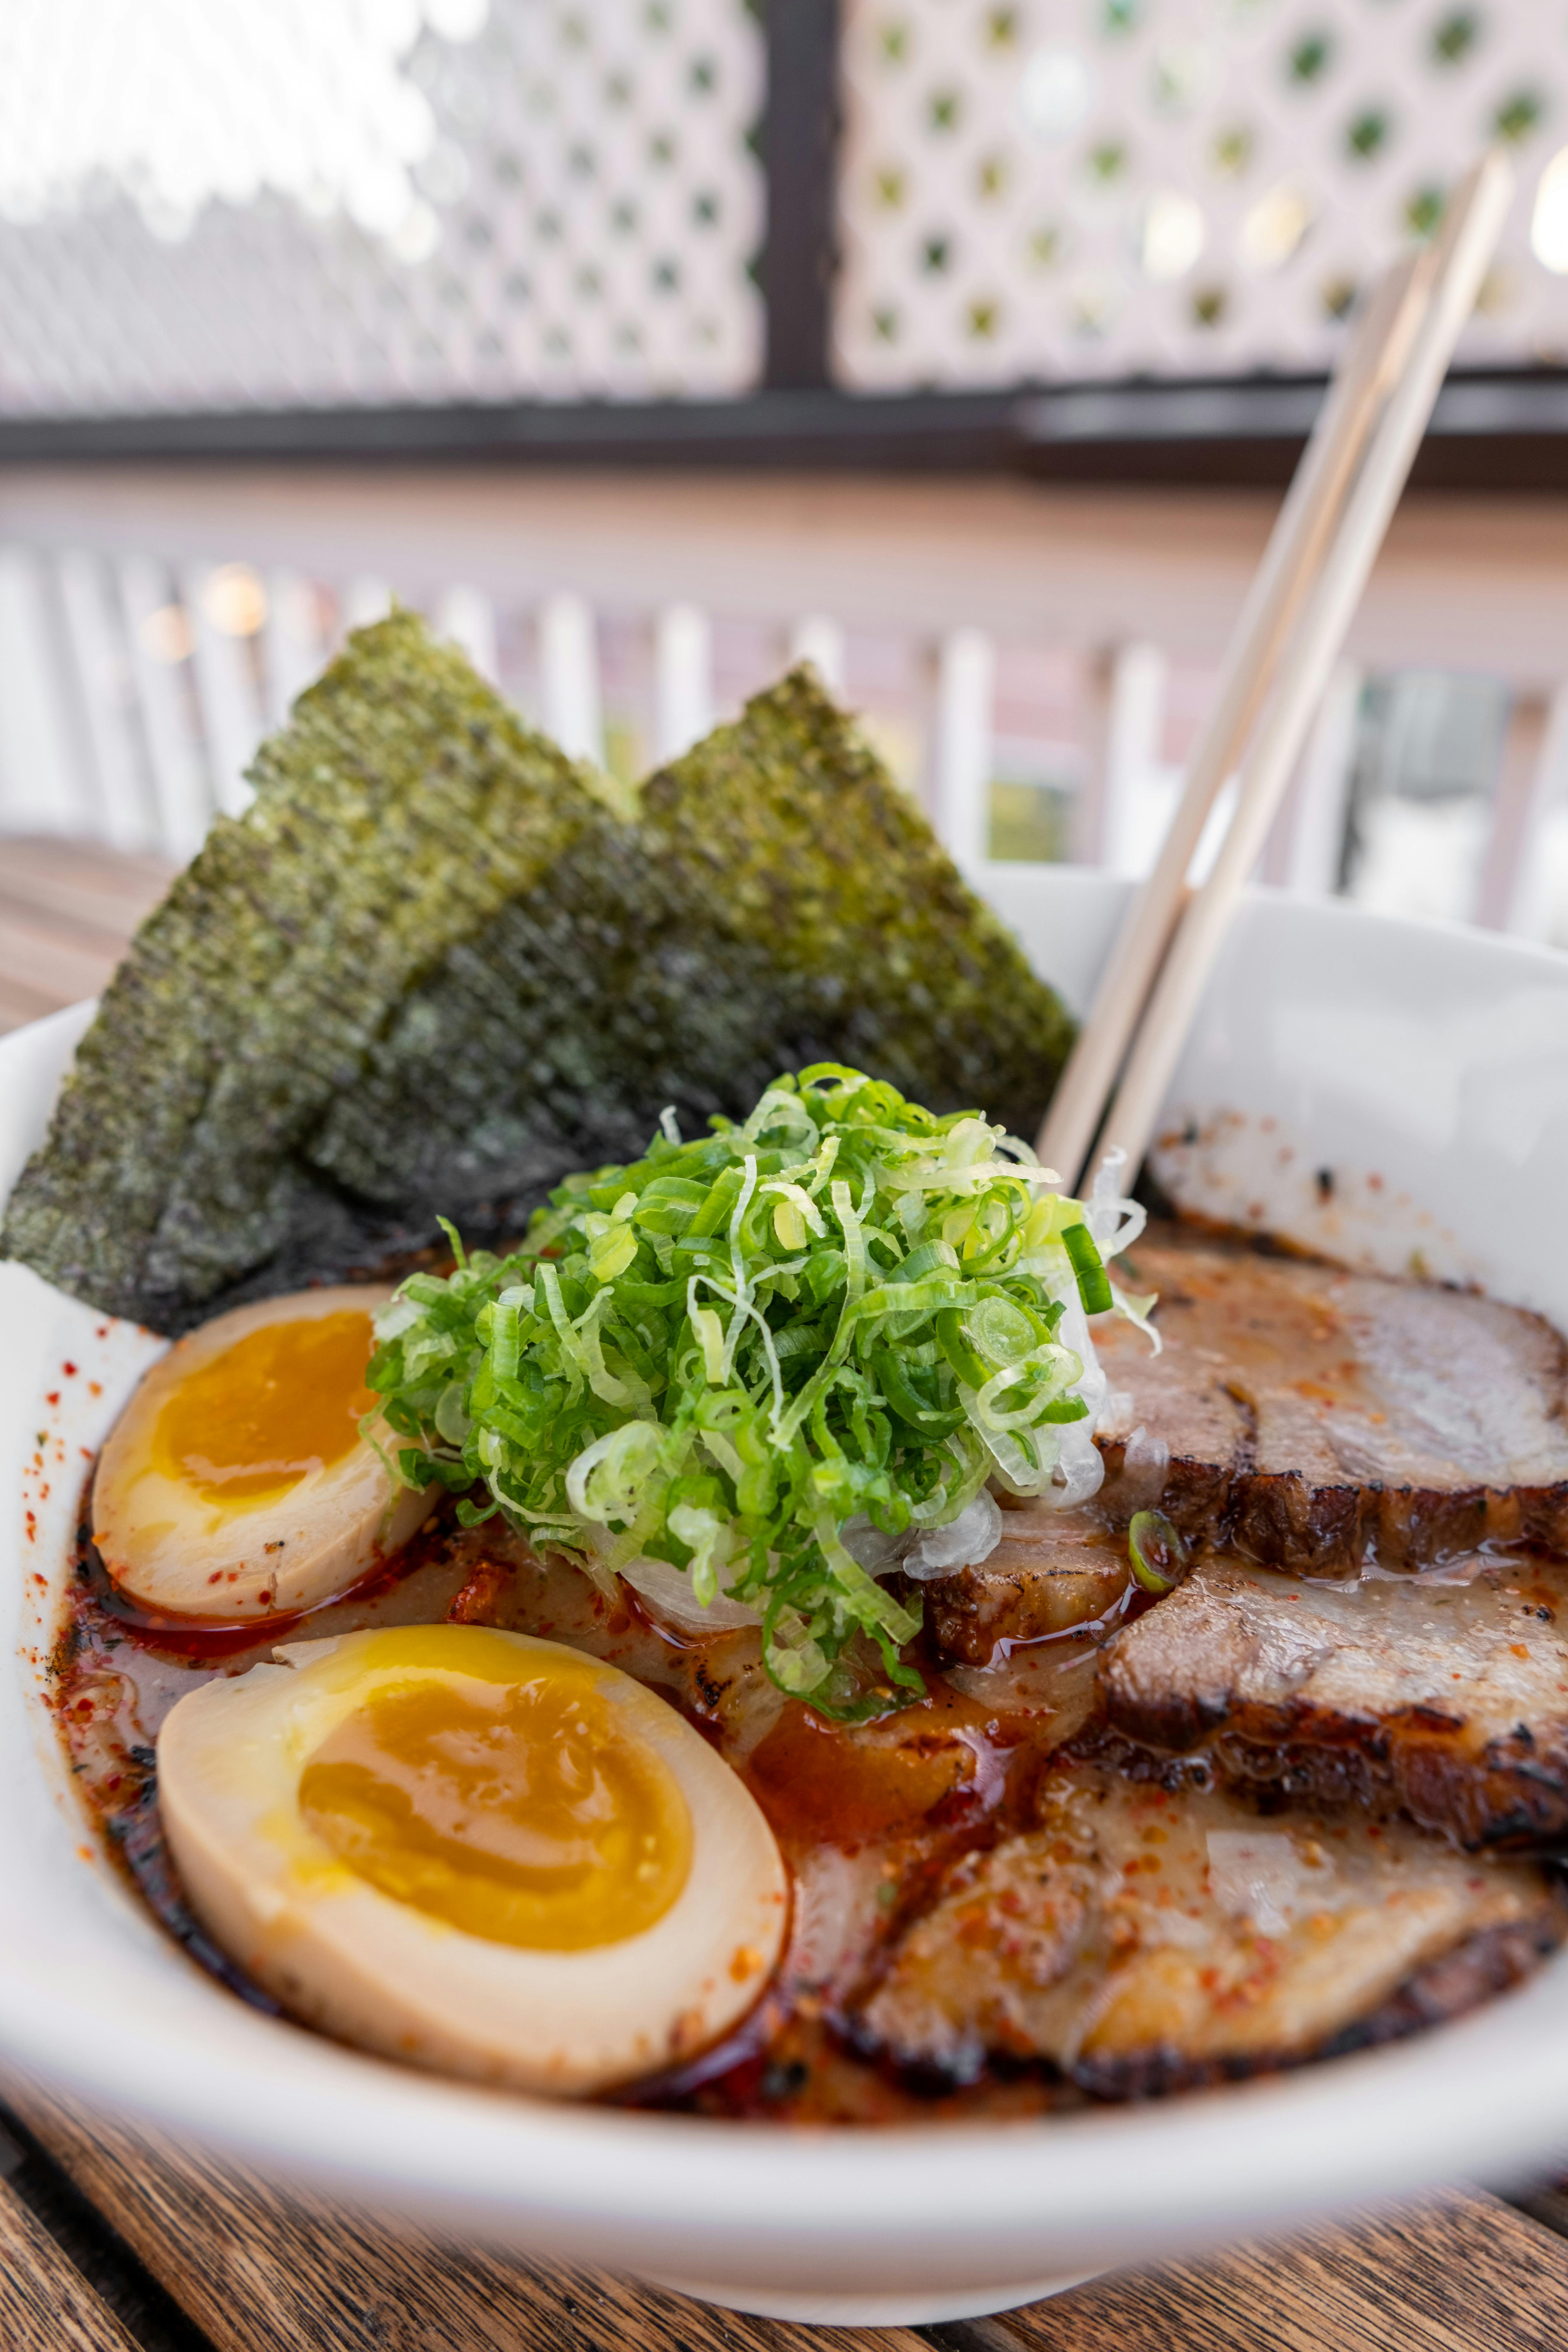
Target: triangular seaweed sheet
x: 436, y: 966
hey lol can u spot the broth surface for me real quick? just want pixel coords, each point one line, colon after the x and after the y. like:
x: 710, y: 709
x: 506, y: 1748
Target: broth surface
x: 872, y: 1818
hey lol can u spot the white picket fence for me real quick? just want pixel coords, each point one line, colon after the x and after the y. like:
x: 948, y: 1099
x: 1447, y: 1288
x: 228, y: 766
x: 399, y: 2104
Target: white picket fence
x: 153, y: 626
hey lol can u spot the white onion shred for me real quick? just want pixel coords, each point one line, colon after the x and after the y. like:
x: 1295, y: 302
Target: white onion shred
x: 878, y: 1554
x: 1115, y: 1413
x: 1113, y: 1221
x: 669, y: 1590
x: 1145, y: 1466
x: 964, y: 1542
x: 1079, y: 1466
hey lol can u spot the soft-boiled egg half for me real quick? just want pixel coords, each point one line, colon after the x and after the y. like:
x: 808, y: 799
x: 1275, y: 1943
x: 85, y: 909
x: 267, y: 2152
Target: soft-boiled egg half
x: 479, y: 1851
x: 237, y: 1483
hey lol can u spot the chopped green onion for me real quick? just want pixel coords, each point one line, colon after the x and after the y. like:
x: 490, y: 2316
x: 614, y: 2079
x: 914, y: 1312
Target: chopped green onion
x: 1093, y: 1282
x: 844, y: 1309
x: 1157, y: 1551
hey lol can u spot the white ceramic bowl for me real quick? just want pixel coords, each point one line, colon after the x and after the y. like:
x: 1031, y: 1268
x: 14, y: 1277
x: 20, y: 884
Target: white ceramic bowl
x: 1424, y: 1070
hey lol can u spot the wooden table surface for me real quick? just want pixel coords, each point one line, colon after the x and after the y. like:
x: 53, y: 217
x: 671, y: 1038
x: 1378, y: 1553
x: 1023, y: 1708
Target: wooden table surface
x: 111, y: 2237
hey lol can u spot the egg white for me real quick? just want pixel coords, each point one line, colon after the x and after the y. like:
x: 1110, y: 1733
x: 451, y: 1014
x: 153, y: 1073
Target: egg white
x: 169, y: 1548
x: 388, y: 1977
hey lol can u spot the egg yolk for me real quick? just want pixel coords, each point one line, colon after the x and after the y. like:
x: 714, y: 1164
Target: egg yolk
x: 284, y: 1401
x: 515, y: 1811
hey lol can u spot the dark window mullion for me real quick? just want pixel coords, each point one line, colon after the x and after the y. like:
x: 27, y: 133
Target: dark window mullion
x: 800, y: 156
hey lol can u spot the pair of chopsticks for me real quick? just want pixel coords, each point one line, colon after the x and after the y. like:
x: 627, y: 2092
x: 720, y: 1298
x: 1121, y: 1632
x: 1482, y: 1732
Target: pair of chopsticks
x: 1285, y: 642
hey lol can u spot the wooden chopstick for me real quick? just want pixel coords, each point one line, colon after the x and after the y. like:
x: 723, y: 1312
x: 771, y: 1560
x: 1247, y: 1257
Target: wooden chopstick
x: 1383, y: 353
x: 1297, y: 546
x: 1463, y: 248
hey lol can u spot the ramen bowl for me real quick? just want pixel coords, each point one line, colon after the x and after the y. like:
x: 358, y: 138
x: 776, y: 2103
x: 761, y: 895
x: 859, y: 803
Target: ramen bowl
x: 1389, y: 1093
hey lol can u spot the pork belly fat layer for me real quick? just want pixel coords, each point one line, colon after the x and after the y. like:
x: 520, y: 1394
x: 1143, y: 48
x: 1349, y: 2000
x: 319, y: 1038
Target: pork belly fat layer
x: 1141, y: 1941
x: 1311, y: 1414
x: 1449, y: 1699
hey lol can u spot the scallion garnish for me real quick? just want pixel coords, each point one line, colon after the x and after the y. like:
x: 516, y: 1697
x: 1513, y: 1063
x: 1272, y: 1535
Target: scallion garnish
x: 846, y: 1314
x: 1157, y: 1551
x: 1093, y: 1282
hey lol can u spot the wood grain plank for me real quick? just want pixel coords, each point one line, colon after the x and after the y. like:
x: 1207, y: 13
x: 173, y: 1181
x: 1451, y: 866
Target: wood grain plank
x: 46, y: 2306
x: 39, y: 952
x: 155, y: 2323
x: 81, y: 884
x: 1461, y: 2273
x: 109, y: 889
x: 100, y: 927
x: 261, y: 2272
x: 19, y: 1004
x: 67, y: 910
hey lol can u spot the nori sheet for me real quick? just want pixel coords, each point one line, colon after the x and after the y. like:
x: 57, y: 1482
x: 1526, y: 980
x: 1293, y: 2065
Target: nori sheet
x: 434, y: 966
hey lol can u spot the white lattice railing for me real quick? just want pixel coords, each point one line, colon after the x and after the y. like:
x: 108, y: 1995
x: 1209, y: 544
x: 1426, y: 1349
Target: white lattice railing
x: 1041, y: 193
x: 523, y: 200
x: 153, y: 628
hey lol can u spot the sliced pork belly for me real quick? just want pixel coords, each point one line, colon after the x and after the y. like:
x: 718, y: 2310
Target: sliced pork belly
x: 1448, y: 1699
x: 1052, y: 1571
x: 1311, y: 1413
x: 1140, y: 1940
